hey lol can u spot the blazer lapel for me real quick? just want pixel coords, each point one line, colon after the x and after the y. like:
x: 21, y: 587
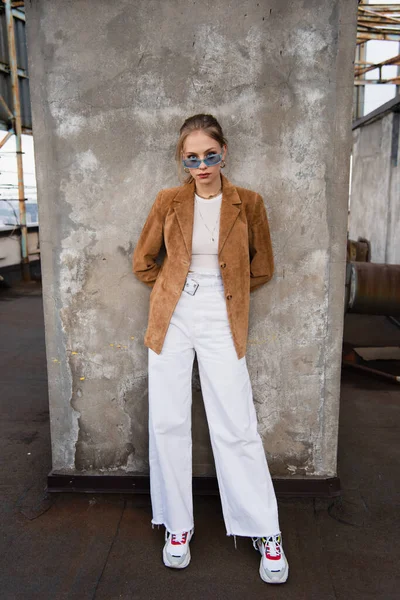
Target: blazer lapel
x: 230, y: 209
x: 184, y: 210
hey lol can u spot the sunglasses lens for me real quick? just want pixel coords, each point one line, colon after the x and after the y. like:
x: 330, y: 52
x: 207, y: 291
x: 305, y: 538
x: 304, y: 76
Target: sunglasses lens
x: 210, y: 161
x: 191, y: 163
x: 213, y: 159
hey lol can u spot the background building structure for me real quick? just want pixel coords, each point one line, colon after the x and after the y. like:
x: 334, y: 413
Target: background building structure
x: 375, y: 183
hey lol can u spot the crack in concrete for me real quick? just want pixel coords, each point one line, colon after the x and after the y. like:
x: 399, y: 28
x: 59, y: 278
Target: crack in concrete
x: 109, y: 550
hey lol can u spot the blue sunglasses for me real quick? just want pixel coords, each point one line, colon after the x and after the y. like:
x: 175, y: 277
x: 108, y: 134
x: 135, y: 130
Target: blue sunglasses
x: 210, y: 161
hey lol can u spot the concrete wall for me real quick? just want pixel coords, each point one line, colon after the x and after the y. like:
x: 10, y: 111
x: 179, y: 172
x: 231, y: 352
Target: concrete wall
x: 110, y: 85
x: 375, y: 188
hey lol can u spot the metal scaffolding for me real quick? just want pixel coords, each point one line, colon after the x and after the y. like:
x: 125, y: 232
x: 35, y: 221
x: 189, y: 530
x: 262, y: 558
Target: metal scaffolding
x: 374, y: 22
x: 14, y: 82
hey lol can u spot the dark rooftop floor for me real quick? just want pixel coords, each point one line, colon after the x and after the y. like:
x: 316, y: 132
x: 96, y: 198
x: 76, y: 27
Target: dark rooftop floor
x: 85, y: 546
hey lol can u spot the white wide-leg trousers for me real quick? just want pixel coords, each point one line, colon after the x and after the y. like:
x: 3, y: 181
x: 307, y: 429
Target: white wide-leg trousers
x: 200, y: 324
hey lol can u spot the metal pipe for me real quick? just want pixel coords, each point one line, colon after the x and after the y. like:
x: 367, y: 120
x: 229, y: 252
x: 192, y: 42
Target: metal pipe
x: 372, y: 288
x: 18, y: 133
x: 394, y: 378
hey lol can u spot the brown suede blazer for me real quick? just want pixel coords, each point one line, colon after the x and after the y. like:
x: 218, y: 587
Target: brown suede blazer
x: 244, y: 251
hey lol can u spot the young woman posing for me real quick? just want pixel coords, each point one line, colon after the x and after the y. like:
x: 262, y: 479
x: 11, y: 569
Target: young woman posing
x: 218, y: 249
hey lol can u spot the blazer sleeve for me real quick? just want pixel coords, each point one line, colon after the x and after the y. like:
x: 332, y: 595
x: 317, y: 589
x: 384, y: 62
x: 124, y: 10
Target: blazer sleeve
x: 261, y: 255
x: 149, y: 244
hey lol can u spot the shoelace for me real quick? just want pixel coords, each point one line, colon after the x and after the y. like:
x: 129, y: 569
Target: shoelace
x: 272, y: 546
x: 273, y: 549
x: 178, y: 539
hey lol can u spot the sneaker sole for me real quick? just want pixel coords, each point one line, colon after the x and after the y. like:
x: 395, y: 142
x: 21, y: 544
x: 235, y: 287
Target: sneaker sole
x: 265, y: 577
x: 182, y: 565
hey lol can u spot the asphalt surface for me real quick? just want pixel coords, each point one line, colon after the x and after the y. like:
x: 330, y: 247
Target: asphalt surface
x: 85, y: 546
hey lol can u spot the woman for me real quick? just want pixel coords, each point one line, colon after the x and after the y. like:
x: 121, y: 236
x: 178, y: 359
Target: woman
x: 217, y: 249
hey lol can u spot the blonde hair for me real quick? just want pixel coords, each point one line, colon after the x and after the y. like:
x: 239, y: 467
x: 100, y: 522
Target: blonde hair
x: 204, y: 122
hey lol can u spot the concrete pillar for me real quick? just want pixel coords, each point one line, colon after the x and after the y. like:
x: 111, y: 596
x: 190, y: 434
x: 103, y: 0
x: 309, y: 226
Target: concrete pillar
x: 111, y: 82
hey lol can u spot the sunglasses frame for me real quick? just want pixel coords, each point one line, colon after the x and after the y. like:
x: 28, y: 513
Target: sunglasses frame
x: 204, y: 160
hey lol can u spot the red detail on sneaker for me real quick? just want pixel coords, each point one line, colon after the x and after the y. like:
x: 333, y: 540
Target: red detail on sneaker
x: 268, y: 549
x: 182, y: 540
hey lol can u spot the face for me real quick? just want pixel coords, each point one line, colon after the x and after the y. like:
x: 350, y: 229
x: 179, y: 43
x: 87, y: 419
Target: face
x: 200, y: 145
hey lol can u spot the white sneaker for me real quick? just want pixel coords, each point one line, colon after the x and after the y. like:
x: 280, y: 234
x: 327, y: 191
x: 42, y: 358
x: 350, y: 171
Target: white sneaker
x: 274, y: 567
x: 176, y: 553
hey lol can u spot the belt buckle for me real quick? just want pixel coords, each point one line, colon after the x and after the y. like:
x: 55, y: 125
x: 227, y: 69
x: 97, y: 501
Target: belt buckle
x: 190, y: 286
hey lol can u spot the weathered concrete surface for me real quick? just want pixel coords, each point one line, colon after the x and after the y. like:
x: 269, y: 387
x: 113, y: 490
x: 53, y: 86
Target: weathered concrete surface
x: 110, y: 85
x: 375, y: 187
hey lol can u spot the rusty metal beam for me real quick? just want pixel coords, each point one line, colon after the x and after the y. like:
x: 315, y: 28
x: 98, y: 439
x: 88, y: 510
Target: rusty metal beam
x: 18, y: 14
x: 370, y: 29
x: 381, y: 8
x: 6, y: 138
x: 366, y: 37
x: 362, y: 63
x: 382, y: 16
x: 6, y: 108
x: 359, y: 91
x: 393, y: 81
x: 378, y: 22
x: 395, y: 60
x: 17, y: 126
x: 6, y: 69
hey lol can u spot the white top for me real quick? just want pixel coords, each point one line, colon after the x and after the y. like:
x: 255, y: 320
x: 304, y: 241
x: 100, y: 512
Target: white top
x: 206, y: 235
